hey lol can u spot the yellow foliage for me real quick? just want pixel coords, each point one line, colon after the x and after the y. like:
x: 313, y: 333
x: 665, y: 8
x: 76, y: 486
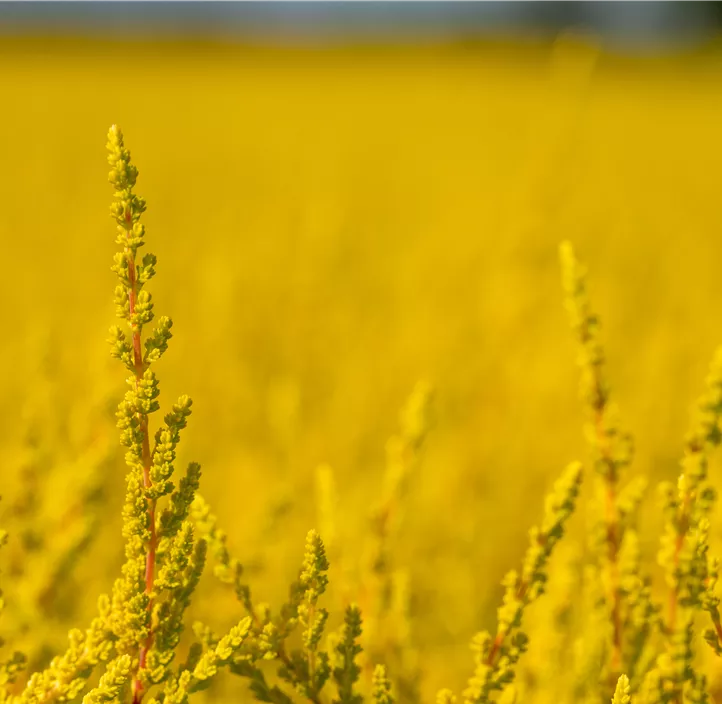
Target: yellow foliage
x: 332, y: 226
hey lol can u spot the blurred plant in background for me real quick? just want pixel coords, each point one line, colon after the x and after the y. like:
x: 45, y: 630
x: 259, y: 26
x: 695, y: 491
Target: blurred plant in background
x: 339, y: 224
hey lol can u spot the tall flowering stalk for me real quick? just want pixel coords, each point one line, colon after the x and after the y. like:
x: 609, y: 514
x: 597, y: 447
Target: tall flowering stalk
x: 611, y: 447
x: 497, y: 656
x: 384, y: 592
x: 614, y: 539
x: 149, y: 470
x: 690, y: 573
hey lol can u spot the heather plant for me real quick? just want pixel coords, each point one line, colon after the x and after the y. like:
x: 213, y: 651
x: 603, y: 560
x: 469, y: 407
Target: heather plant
x: 606, y: 634
x: 55, y: 526
x: 625, y: 632
x: 384, y: 589
x: 131, y: 649
x: 613, y: 565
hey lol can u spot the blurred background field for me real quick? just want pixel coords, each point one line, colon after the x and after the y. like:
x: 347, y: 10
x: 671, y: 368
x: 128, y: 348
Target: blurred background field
x: 333, y: 223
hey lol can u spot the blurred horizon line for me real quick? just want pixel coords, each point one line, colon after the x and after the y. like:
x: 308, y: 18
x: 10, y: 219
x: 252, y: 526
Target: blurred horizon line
x: 637, y: 26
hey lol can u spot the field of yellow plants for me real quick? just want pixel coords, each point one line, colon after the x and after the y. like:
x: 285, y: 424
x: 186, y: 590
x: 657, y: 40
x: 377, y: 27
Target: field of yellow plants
x: 339, y: 230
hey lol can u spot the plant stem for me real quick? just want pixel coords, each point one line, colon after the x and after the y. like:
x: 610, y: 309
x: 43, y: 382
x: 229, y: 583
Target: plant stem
x: 150, y: 556
x: 283, y: 657
x: 683, y: 528
x: 501, y: 636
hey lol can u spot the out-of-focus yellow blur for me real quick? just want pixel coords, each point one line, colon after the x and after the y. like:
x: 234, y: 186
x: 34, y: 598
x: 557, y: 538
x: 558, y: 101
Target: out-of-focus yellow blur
x: 333, y: 225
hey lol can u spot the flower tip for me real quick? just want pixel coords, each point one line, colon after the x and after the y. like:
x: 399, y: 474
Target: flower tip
x: 115, y: 134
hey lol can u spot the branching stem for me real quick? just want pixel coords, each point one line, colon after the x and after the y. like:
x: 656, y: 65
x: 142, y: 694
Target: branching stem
x: 150, y: 556
x: 501, y: 636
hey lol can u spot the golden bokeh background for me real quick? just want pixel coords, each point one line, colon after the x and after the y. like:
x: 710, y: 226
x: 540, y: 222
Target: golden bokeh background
x: 332, y: 225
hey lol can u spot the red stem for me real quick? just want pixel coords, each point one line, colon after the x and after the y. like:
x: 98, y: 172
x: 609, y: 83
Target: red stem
x: 150, y: 557
x: 500, y: 637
